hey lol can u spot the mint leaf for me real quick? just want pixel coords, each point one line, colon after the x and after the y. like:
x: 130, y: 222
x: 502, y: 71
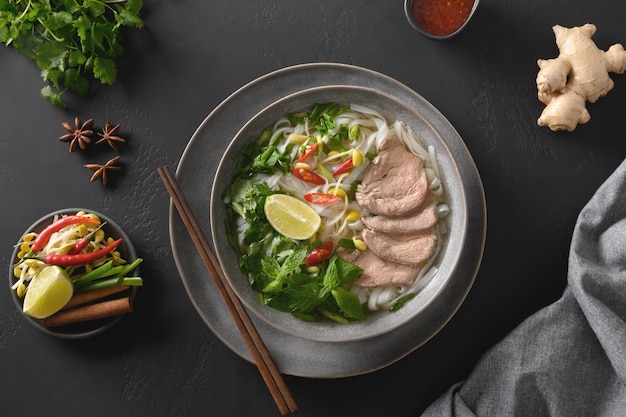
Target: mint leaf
x: 280, y: 273
x: 339, y: 272
x: 349, y: 303
x: 293, y: 261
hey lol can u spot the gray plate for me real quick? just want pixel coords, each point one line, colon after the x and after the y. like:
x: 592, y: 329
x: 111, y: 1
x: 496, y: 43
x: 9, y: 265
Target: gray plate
x: 295, y: 355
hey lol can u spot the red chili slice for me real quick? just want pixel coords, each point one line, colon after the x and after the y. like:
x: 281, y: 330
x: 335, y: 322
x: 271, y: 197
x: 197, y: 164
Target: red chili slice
x: 320, y: 254
x: 321, y: 198
x: 345, y: 167
x: 307, y: 175
x: 309, y: 151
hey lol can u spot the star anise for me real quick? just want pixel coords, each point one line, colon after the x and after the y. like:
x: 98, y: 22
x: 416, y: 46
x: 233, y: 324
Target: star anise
x: 78, y: 135
x: 101, y: 170
x: 109, y: 135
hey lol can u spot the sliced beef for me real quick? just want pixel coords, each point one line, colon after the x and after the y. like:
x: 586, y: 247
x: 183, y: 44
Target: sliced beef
x: 381, y: 272
x: 424, y: 218
x: 400, y: 232
x: 410, y: 249
x: 395, y: 183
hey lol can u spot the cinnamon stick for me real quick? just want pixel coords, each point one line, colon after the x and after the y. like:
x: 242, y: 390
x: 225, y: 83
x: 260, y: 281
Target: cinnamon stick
x: 89, y: 296
x: 95, y: 311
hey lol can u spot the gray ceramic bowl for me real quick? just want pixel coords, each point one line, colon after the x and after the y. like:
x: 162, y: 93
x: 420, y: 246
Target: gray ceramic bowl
x: 86, y: 329
x: 377, y: 323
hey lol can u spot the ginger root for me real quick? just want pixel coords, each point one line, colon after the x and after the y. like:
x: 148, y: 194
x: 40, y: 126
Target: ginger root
x: 579, y: 74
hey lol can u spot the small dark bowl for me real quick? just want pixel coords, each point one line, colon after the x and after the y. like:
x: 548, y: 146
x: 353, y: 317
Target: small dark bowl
x: 408, y: 11
x: 85, y: 329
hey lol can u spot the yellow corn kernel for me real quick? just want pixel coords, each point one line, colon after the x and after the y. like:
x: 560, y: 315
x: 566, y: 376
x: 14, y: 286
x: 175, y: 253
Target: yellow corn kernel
x: 117, y: 258
x: 338, y: 191
x: 91, y: 216
x: 83, y: 230
x: 99, y: 236
x: 29, y: 237
x: 359, y: 244
x: 352, y: 216
x: 302, y: 165
x: 299, y: 139
x: 358, y: 158
x: 21, y: 290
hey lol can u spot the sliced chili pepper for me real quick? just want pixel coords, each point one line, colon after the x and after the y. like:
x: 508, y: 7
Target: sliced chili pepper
x: 81, y: 258
x: 45, y: 234
x: 83, y: 242
x: 321, y: 198
x: 344, y: 167
x: 319, y: 254
x: 307, y: 175
x: 308, y: 152
x: 78, y: 246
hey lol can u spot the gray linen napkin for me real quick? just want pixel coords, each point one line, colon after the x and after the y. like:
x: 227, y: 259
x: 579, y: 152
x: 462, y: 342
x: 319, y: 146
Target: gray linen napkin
x: 568, y: 359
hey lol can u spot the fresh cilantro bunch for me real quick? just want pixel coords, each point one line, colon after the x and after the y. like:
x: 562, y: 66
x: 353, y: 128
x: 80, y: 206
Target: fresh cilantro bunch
x: 72, y: 41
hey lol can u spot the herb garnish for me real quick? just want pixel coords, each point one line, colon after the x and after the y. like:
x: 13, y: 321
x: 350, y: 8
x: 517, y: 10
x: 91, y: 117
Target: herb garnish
x: 274, y: 264
x: 71, y: 41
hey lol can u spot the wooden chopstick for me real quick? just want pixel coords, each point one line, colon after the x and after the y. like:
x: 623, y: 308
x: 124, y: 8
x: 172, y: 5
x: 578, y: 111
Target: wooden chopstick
x: 268, y: 369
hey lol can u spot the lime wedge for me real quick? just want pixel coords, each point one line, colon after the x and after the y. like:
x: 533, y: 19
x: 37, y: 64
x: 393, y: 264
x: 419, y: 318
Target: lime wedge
x: 47, y: 292
x: 291, y: 217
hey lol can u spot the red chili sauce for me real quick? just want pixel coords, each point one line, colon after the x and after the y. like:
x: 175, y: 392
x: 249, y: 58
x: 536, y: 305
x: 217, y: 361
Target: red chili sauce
x: 441, y: 17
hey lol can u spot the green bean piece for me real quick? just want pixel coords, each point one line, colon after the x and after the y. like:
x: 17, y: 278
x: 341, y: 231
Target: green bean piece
x: 110, y: 282
x: 131, y: 266
x: 122, y: 270
x: 113, y: 272
x: 95, y: 274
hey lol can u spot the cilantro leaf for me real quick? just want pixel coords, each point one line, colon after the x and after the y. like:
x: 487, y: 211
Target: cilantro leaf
x: 104, y: 70
x: 53, y: 97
